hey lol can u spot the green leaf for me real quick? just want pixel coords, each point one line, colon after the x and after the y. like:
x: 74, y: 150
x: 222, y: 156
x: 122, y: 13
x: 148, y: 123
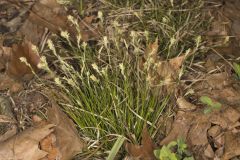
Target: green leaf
x: 217, y: 105
x: 166, y: 154
x: 117, y: 145
x: 172, y: 144
x: 206, y: 100
x: 181, y: 146
x: 236, y: 68
x: 207, y: 110
x: 157, y: 153
x: 188, y: 158
x: 173, y: 156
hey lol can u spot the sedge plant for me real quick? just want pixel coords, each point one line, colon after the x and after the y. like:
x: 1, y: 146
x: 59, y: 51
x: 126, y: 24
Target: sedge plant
x: 109, y: 96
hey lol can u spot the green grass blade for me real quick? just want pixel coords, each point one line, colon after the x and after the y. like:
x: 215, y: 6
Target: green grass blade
x: 118, y: 144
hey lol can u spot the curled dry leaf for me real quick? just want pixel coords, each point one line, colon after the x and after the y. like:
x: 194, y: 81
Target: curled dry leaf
x: 221, y: 86
x: 17, y: 68
x: 50, y: 14
x: 25, y: 145
x: 185, y: 105
x: 48, y: 144
x: 198, y: 128
x: 214, y: 131
x: 161, y: 73
x: 208, y: 152
x: 198, y: 133
x: 143, y: 151
x: 180, y: 127
x: 232, y: 143
x: 67, y: 139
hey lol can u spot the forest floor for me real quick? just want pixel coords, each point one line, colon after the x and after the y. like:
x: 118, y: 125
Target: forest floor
x: 131, y: 79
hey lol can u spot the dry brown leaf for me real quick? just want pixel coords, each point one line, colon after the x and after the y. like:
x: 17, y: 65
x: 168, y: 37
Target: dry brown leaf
x: 214, y: 131
x: 5, y: 53
x: 198, y: 133
x: 231, y: 114
x: 67, y: 139
x: 48, y: 144
x: 219, y: 141
x: 143, y: 151
x: 185, y: 105
x: 219, y: 152
x: 36, y: 34
x: 25, y: 145
x: 161, y: 73
x: 208, y: 152
x: 232, y: 143
x: 180, y: 128
x: 53, y: 16
x: 218, y: 80
x: 196, y: 128
x: 7, y: 82
x: 17, y: 68
x: 221, y: 87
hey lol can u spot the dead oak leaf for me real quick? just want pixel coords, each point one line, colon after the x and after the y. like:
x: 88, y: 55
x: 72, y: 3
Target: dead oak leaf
x: 232, y: 143
x: 16, y: 67
x: 143, y: 151
x: 25, y: 145
x: 162, y: 73
x: 53, y: 16
x: 180, y: 127
x: 184, y: 105
x: 67, y: 138
x: 48, y: 144
x: 198, y: 133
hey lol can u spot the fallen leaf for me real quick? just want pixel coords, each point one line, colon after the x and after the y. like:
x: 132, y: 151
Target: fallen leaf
x: 67, y: 138
x: 198, y: 133
x: 219, y: 152
x: 161, y: 73
x: 209, y: 152
x: 48, y: 144
x: 53, y: 16
x: 218, y: 80
x: 219, y: 141
x: 25, y: 145
x: 232, y: 143
x: 5, y: 53
x: 185, y: 105
x: 221, y: 86
x: 218, y: 119
x: 231, y: 114
x: 143, y: 151
x: 17, y: 68
x: 214, y: 131
x: 180, y: 127
x: 7, y: 82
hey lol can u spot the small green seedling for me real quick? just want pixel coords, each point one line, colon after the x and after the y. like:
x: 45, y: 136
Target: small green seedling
x: 210, y: 104
x: 175, y: 150
x: 236, y: 68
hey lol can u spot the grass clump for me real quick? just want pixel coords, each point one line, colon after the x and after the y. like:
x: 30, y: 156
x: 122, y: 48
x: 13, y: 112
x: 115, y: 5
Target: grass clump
x: 107, y: 91
x: 178, y: 24
x: 109, y: 96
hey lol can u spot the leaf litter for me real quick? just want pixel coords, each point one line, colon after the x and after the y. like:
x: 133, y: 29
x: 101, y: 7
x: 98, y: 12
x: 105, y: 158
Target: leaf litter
x: 214, y: 135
